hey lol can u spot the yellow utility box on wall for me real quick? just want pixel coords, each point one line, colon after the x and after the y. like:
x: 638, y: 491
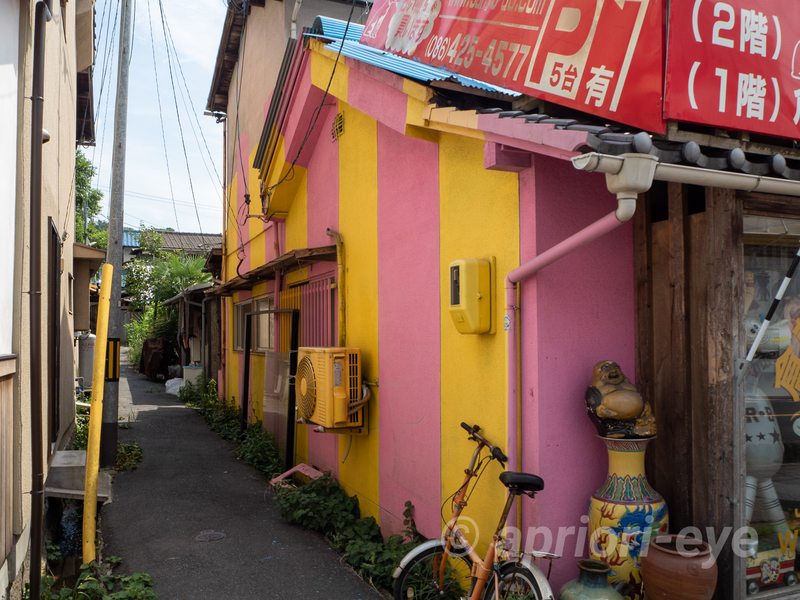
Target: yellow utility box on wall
x: 471, y: 292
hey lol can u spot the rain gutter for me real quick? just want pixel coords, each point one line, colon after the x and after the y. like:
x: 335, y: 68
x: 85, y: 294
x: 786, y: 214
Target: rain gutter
x: 42, y: 14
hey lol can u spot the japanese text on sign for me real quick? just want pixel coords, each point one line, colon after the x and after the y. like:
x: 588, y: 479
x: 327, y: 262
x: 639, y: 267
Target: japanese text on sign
x: 599, y: 56
x: 735, y: 64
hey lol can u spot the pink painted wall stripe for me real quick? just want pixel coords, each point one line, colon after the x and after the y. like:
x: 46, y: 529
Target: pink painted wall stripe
x: 408, y: 329
x: 323, y: 213
x: 584, y: 314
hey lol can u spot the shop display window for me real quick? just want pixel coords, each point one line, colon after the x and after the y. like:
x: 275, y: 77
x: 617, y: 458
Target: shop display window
x: 772, y: 405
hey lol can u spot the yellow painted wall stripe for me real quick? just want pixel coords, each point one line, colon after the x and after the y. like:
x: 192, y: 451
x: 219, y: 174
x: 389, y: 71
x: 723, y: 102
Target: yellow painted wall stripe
x: 479, y: 218
x: 358, y: 225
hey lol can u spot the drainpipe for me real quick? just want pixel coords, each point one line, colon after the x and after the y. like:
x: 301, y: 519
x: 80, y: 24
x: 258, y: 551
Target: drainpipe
x: 295, y: 12
x: 278, y: 281
x: 634, y: 176
x: 340, y: 285
x: 203, y: 334
x: 42, y: 14
x: 611, y: 165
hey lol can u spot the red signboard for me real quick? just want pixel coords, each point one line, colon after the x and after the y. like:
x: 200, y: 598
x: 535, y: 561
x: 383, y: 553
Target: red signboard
x: 735, y: 65
x: 603, y: 57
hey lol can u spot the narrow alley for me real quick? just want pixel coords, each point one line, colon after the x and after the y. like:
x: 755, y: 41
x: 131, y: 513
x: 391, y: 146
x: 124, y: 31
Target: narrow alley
x: 191, y: 482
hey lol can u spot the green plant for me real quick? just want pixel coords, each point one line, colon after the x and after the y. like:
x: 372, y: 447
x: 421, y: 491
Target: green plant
x: 92, y: 584
x: 114, y: 561
x: 257, y: 448
x: 128, y: 456
x: 81, y: 428
x: 220, y: 416
x: 148, y: 324
x: 53, y: 551
x: 323, y: 506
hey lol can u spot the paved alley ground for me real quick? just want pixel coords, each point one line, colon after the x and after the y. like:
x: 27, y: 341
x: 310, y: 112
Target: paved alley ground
x: 190, y: 481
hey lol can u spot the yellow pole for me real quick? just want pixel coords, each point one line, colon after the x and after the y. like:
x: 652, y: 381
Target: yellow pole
x: 95, y: 419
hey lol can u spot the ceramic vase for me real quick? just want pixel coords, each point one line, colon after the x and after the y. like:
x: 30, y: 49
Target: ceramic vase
x: 679, y: 568
x: 624, y: 514
x: 591, y: 584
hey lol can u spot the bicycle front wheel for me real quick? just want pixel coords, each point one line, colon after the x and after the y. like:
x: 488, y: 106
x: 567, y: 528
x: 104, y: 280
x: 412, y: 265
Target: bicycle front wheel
x: 422, y: 580
x: 517, y: 582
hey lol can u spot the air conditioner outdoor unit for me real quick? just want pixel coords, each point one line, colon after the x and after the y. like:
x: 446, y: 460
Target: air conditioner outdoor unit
x: 328, y: 387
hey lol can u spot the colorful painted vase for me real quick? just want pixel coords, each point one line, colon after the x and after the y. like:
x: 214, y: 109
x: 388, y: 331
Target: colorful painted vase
x: 592, y: 584
x: 624, y: 514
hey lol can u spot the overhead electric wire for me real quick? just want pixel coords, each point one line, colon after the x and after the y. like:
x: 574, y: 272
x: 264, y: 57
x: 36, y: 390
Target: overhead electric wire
x: 290, y: 173
x: 103, y: 22
x: 162, y: 199
x: 133, y: 32
x: 110, y: 42
x: 188, y: 96
x: 236, y: 146
x: 161, y: 116
x: 239, y: 68
x: 177, y: 111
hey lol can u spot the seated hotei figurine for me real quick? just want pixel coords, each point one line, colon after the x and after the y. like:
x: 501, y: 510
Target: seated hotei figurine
x: 615, y: 406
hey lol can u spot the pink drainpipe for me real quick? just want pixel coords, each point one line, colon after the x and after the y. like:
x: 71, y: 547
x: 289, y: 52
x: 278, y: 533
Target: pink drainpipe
x: 583, y: 237
x: 632, y: 174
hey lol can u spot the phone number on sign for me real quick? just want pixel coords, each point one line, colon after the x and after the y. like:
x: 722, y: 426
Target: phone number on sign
x: 464, y: 50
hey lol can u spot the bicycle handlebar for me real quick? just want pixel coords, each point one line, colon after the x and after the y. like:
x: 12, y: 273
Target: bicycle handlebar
x: 497, y: 453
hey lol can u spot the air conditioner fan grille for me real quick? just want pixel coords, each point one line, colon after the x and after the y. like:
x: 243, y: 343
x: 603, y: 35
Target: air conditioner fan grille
x: 306, y: 386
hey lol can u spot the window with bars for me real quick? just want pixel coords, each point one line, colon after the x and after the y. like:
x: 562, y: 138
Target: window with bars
x: 315, y: 301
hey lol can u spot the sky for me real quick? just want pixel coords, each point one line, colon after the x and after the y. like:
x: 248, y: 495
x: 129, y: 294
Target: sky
x: 195, y: 27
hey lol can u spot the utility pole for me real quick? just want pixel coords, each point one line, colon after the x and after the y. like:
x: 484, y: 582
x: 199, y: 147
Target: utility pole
x: 109, y: 430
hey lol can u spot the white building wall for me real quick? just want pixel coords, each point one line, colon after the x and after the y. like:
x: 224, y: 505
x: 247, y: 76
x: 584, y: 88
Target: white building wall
x: 9, y: 72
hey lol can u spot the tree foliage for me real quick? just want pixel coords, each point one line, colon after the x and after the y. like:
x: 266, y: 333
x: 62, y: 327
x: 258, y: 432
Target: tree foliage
x: 157, y: 275
x: 153, y: 277
x: 87, y: 198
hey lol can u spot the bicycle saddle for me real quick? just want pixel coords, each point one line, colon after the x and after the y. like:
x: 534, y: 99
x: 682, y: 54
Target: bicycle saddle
x: 518, y: 483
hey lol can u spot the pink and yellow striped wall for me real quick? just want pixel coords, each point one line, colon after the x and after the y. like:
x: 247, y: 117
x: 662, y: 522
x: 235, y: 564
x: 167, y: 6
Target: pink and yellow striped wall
x: 410, y: 190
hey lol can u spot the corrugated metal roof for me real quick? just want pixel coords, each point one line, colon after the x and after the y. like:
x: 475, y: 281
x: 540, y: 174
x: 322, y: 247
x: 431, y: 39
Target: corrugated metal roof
x: 334, y: 28
x: 175, y: 240
x: 130, y: 238
x: 410, y: 68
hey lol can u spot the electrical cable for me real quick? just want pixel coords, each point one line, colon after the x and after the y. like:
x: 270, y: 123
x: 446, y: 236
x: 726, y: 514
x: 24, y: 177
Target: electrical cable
x: 290, y: 173
x: 161, y: 199
x: 192, y: 113
x: 161, y: 117
x: 94, y: 60
x: 177, y: 111
x: 240, y: 67
x: 236, y: 139
x: 133, y: 32
x: 110, y: 43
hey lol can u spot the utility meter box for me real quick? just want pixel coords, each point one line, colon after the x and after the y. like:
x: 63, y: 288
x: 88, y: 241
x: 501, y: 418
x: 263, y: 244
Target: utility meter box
x: 471, y: 293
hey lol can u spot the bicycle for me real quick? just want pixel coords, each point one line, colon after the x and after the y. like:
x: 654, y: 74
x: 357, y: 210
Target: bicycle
x: 450, y: 568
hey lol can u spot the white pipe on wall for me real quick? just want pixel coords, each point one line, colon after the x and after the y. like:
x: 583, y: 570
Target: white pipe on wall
x: 611, y: 165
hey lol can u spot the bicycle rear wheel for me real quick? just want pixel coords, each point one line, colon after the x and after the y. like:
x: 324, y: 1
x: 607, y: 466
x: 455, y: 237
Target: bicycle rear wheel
x: 420, y: 579
x: 517, y: 582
